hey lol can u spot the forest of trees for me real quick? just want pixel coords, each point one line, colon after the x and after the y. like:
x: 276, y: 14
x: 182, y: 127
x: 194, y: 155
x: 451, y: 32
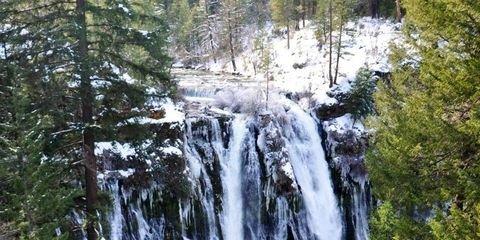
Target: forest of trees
x: 207, y: 30
x: 70, y: 71
x: 425, y: 158
x: 66, y: 71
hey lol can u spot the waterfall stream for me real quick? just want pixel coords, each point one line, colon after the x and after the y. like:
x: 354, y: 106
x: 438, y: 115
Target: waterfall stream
x: 232, y: 216
x: 249, y: 177
x: 312, y: 174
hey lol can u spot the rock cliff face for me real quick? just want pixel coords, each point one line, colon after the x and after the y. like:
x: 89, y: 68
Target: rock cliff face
x: 282, y: 175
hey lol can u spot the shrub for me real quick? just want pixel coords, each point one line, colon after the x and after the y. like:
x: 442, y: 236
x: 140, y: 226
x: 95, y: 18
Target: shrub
x: 361, y: 94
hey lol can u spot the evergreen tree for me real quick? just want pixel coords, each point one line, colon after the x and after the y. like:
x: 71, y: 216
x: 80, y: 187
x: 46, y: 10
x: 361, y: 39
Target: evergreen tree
x: 332, y: 15
x: 425, y: 159
x: 361, y: 94
x: 232, y: 15
x: 71, y: 65
x: 282, y: 13
x: 181, y: 23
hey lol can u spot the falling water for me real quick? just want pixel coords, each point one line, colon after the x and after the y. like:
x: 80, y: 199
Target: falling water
x: 203, y: 182
x: 232, y: 216
x: 360, y: 212
x: 234, y: 187
x: 116, y: 217
x: 312, y: 174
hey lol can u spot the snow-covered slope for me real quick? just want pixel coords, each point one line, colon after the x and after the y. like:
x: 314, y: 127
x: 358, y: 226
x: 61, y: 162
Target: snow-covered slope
x: 366, y: 43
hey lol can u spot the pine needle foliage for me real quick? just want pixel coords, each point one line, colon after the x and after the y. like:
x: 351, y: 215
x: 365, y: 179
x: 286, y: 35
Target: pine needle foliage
x: 425, y: 155
x: 56, y: 56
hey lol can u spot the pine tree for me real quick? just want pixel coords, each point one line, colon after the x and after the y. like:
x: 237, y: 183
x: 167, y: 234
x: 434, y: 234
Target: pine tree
x: 331, y: 17
x: 232, y: 15
x: 282, y: 14
x: 67, y: 56
x: 181, y: 24
x: 426, y: 149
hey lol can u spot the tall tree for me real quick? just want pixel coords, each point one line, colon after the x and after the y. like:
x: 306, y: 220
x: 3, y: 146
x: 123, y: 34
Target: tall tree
x: 282, y: 13
x: 398, y: 11
x: 84, y: 55
x: 181, y: 24
x: 232, y: 15
x: 374, y: 7
x: 425, y: 159
x: 331, y: 17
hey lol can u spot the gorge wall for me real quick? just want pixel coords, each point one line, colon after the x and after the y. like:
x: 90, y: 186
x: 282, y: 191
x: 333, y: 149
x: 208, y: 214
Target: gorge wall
x: 282, y: 174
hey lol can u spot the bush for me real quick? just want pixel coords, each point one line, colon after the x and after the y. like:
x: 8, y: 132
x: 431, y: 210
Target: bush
x: 361, y: 94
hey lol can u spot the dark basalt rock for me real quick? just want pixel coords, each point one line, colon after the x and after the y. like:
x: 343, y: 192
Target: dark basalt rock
x: 348, y: 143
x: 275, y: 155
x: 299, y: 65
x: 161, y: 185
x: 331, y: 111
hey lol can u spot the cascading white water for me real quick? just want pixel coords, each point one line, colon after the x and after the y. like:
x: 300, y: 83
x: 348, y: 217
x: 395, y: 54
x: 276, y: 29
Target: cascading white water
x: 360, y: 212
x: 200, y: 174
x: 313, y: 176
x: 232, y: 216
x: 116, y: 217
x: 242, y: 186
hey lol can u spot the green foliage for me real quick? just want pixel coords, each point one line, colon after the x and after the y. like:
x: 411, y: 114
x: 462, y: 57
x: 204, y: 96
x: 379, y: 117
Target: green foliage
x: 361, y: 94
x: 40, y: 120
x: 383, y: 222
x: 386, y: 223
x: 459, y: 224
x: 342, y: 11
x: 425, y: 153
x: 181, y: 18
x: 282, y: 11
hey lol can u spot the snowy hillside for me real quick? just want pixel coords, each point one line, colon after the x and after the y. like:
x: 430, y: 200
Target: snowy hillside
x: 304, y: 67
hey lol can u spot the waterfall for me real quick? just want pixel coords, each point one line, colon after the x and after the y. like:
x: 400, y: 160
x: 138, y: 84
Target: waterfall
x: 116, y: 217
x: 232, y: 216
x: 313, y: 176
x: 360, y: 212
x: 203, y: 184
x: 249, y: 177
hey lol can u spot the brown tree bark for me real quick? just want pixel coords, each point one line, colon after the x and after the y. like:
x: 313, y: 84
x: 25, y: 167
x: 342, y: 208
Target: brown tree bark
x: 339, y: 49
x: 304, y: 12
x: 398, y: 7
x: 330, y: 30
x: 288, y: 34
x: 230, y: 42
x: 86, y: 97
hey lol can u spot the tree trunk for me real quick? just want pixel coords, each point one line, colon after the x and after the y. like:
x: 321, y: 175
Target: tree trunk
x: 210, y: 35
x: 288, y: 34
x: 212, y: 45
x: 374, y: 11
x: 230, y: 41
x: 325, y: 32
x: 304, y: 12
x: 266, y: 102
x: 398, y: 10
x: 330, y: 30
x: 86, y: 97
x: 314, y: 7
x: 339, y: 49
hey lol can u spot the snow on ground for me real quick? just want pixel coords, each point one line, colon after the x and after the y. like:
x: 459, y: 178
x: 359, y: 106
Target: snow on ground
x: 173, y: 113
x: 343, y: 124
x: 366, y: 43
x: 124, y: 150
